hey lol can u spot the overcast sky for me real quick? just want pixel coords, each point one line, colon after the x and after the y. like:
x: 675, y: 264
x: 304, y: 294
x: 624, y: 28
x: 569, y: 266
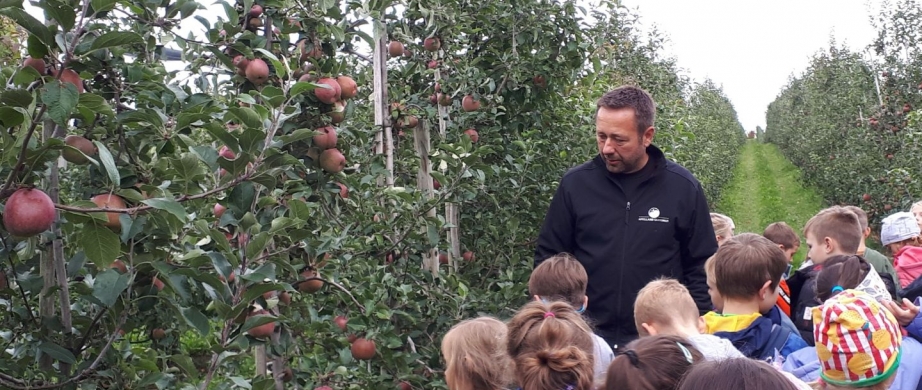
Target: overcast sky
x: 752, y: 47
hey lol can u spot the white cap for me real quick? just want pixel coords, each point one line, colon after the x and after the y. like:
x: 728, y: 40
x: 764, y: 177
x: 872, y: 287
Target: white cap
x: 898, y: 227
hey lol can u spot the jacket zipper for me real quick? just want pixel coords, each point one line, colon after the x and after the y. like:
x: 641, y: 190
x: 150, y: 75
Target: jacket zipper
x: 627, y: 219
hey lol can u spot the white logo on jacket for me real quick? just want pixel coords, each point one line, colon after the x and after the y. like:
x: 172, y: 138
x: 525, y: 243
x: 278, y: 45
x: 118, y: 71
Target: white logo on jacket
x: 653, y: 216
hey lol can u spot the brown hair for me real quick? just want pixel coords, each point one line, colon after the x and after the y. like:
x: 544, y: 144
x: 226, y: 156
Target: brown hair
x: 559, y: 278
x: 862, y: 216
x: 664, y: 302
x: 475, y: 355
x: 627, y: 96
x: 652, y: 363
x: 839, y: 224
x: 846, y: 271
x: 744, y: 263
x: 782, y: 234
x: 735, y: 374
x: 551, y: 346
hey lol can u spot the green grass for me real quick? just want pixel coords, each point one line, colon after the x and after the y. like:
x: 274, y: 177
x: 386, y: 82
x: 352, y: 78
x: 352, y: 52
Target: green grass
x: 767, y: 188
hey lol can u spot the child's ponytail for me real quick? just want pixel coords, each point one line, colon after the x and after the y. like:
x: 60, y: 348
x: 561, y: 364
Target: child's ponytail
x: 551, y: 346
x: 840, y: 272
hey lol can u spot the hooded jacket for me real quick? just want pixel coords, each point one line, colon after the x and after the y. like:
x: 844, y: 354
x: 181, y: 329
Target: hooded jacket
x: 624, y: 243
x: 908, y: 264
x: 752, y: 333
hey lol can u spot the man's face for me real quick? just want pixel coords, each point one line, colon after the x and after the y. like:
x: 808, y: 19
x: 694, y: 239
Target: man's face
x: 620, y: 145
x: 816, y: 249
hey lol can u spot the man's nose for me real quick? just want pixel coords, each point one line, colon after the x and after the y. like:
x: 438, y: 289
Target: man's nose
x: 608, y: 147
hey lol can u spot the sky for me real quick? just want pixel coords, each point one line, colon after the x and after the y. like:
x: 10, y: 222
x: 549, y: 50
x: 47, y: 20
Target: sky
x: 751, y: 48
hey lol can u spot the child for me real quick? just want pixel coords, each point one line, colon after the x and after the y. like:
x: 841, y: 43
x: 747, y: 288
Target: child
x: 563, y: 278
x: 786, y: 239
x: 747, y: 270
x: 737, y: 374
x: 665, y: 307
x: 475, y: 355
x: 832, y: 231
x: 723, y: 227
x: 551, y: 347
x: 916, y: 211
x: 853, y: 273
x: 875, y: 258
x: 900, y: 234
x: 652, y: 363
x: 857, y: 342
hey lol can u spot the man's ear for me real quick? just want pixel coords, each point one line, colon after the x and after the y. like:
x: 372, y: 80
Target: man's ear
x: 648, y: 328
x: 648, y: 136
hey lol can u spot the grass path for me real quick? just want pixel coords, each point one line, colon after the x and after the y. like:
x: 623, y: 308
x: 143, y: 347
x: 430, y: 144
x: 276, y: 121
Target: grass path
x: 767, y: 188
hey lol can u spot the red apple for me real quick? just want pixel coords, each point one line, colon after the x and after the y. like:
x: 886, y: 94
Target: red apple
x: 395, y: 49
x: 28, y: 212
x: 341, y: 322
x: 327, y: 139
x: 328, y: 95
x: 474, y: 136
x: 432, y: 44
x: 470, y: 104
x: 468, y: 256
x: 363, y: 349
x: 343, y: 190
x: 219, y: 210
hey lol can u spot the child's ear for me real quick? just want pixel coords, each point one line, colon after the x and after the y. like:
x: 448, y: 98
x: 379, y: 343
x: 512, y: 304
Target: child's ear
x: 766, y: 289
x: 702, y: 325
x: 585, y: 301
x: 537, y: 298
x: 829, y: 245
x: 650, y: 329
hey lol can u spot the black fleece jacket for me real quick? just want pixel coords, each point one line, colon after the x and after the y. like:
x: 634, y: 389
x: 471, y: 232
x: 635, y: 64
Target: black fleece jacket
x: 624, y: 243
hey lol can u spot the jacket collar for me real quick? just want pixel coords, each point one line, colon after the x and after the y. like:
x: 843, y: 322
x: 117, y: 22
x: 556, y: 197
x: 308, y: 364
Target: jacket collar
x: 657, y: 158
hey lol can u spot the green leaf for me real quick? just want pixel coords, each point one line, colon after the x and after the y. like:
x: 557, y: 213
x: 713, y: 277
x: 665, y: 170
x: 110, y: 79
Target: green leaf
x: 31, y: 24
x: 257, y: 290
x: 57, y: 352
x: 116, y: 38
x: 36, y: 48
x: 196, y: 319
x: 299, y: 209
x: 247, y: 116
x: 282, y: 223
x: 257, y: 244
x: 109, y: 285
x: 257, y: 320
x: 241, y: 197
x: 61, y: 99
x: 96, y: 103
x: 304, y: 86
x: 10, y: 117
x: 107, y: 161
x: 16, y: 98
x: 59, y: 12
x: 170, y: 205
x: 297, y: 135
x: 103, y: 5
x: 100, y: 244
x: 432, y: 232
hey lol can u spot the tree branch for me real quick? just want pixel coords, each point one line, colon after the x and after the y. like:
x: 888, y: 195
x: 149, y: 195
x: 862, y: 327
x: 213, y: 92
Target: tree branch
x: 362, y: 308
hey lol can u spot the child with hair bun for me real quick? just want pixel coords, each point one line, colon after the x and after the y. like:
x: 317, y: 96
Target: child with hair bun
x: 551, y: 346
x: 652, y: 363
x: 723, y: 227
x: 475, y: 355
x: 852, y: 273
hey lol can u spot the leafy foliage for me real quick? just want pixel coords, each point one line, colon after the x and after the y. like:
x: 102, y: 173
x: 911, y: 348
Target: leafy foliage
x: 213, y: 240
x: 857, y: 145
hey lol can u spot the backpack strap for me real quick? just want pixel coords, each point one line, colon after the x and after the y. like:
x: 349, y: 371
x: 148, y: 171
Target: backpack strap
x: 776, y: 341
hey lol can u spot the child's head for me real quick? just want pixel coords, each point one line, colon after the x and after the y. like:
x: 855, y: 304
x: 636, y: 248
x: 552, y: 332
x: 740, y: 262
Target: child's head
x: 749, y: 268
x: 785, y: 237
x: 716, y: 300
x: 475, y: 355
x: 832, y: 231
x: 560, y: 278
x: 723, y: 227
x: 551, y: 346
x: 652, y: 363
x: 857, y: 341
x: 735, y: 374
x: 664, y: 306
x: 849, y: 272
x: 898, y: 230
x: 916, y: 211
x: 862, y: 220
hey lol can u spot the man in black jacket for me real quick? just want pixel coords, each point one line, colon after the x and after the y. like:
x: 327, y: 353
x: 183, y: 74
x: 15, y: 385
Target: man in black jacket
x: 629, y: 216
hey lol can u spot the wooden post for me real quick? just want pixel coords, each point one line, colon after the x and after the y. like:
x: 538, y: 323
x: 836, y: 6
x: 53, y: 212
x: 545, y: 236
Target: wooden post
x: 451, y: 209
x: 424, y: 183
x: 384, y: 140
x: 261, y: 361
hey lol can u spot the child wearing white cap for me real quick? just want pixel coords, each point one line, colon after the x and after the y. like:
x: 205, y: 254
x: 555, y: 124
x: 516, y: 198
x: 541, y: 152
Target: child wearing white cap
x: 900, y: 233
